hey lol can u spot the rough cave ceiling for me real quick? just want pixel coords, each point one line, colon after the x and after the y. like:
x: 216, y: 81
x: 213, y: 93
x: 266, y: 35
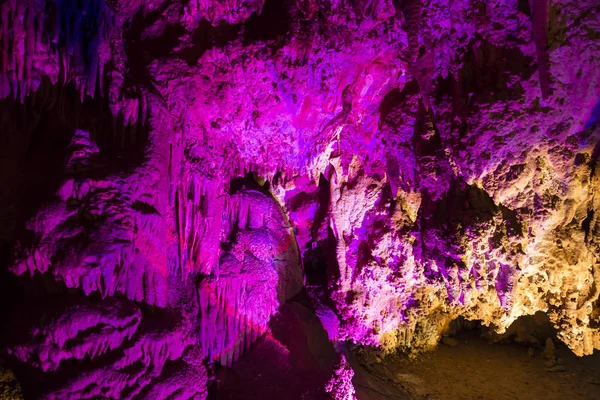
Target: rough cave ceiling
x: 173, y: 172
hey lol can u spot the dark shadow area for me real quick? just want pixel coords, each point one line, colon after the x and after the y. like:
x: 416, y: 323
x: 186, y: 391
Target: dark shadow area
x: 595, y: 315
x: 206, y: 36
x: 295, y: 360
x: 389, y: 103
x: 11, y: 290
x: 142, y: 47
x: 486, y: 73
x: 463, y: 206
x: 51, y: 307
x: 524, y: 7
x: 144, y: 207
x: 594, y: 161
x: 320, y: 257
x: 528, y: 330
x: 35, y: 145
x: 394, y: 103
x: 586, y: 224
x: 38, y: 166
x: 448, y: 89
x: 250, y: 181
x: 272, y: 23
x: 68, y: 21
x: 44, y: 165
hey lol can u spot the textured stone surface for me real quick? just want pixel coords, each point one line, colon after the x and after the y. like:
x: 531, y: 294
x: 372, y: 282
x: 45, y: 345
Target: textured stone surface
x: 169, y: 166
x: 340, y: 385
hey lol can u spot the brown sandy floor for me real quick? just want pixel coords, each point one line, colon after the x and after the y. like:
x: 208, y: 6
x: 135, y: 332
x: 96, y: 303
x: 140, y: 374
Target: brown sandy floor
x: 475, y: 369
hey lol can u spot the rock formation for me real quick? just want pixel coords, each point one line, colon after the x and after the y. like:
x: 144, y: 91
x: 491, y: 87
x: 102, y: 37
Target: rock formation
x: 173, y: 172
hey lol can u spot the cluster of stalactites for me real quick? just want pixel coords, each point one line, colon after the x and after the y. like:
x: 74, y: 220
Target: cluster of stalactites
x: 226, y: 330
x: 62, y: 40
x: 198, y: 206
x: 135, y: 349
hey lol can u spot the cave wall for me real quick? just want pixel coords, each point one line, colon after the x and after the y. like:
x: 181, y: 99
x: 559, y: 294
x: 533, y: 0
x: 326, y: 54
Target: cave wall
x: 174, y: 171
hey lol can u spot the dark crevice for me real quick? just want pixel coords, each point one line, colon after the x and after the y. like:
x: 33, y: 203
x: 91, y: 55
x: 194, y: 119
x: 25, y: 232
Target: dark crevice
x: 463, y: 208
x: 540, y: 37
x: 250, y: 181
x: 448, y: 88
x: 486, y: 73
x: 586, y: 225
x: 395, y: 100
x: 144, y: 208
x: 44, y: 166
x: 141, y: 49
x: 320, y: 261
x: 426, y: 141
x: 321, y: 251
x: 514, y: 225
x: 527, y: 329
x: 389, y: 103
x: 12, y: 293
x: 206, y: 36
x: 273, y: 22
x: 595, y: 159
x: 324, y: 202
x: 35, y: 382
x: 465, y: 205
x: 595, y: 315
x: 524, y: 7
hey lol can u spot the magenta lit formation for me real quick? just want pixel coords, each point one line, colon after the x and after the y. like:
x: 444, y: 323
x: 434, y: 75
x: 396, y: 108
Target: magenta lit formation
x: 239, y: 199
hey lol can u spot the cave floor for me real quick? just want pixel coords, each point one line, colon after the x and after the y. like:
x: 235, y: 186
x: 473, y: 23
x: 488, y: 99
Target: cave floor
x: 476, y: 369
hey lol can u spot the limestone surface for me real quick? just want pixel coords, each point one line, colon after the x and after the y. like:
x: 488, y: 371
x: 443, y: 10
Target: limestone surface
x: 174, y: 171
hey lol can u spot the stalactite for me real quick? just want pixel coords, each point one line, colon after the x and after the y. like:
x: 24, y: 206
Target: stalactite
x: 248, y: 286
x: 92, y: 330
x: 82, y: 330
x: 540, y: 36
x: 25, y: 39
x: 412, y: 15
x: 198, y: 210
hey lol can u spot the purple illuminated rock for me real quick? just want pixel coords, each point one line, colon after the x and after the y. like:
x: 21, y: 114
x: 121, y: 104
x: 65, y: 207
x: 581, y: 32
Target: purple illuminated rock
x: 258, y: 271
x: 340, y: 385
x: 185, y: 166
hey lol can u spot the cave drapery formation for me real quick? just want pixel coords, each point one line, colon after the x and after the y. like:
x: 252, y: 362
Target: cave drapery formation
x: 174, y: 172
